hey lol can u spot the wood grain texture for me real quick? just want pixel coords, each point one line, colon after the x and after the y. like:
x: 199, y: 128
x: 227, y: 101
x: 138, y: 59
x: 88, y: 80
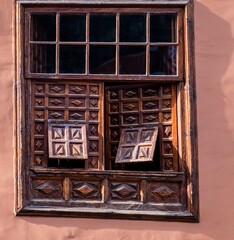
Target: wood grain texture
x: 170, y: 193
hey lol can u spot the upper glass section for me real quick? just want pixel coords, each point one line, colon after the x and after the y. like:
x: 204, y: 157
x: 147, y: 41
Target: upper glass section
x: 118, y: 43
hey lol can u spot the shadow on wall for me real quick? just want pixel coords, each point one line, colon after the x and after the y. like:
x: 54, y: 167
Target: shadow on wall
x: 212, y: 61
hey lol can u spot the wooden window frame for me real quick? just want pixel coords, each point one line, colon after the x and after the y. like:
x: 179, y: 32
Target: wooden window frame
x: 187, y: 132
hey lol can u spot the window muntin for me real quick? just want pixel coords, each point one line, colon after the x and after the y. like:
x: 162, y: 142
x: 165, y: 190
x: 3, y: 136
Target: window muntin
x: 126, y: 44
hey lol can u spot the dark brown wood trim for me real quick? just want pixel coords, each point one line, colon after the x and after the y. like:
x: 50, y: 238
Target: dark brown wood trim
x: 190, y: 212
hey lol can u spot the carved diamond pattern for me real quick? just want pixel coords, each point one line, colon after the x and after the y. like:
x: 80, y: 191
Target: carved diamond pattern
x: 77, y: 89
x: 167, y: 90
x: 93, y: 130
x: 39, y: 89
x: 167, y: 103
x: 131, y: 119
x: 94, y: 90
x: 168, y: 131
x: 93, y: 115
x: 130, y: 93
x: 94, y: 146
x: 39, y: 144
x: 150, y: 104
x: 56, y: 89
x: 85, y: 189
x: 113, y: 95
x: 151, y: 118
x: 114, y: 120
x: 39, y: 128
x: 168, y: 148
x: 39, y: 114
x: 169, y: 164
x: 130, y: 106
x: 47, y: 188
x: 150, y: 92
x: 93, y: 162
x: 56, y: 101
x: 114, y: 107
x: 167, y: 116
x: 94, y: 102
x: 56, y: 115
x: 124, y: 191
x: 38, y: 160
x: 39, y: 101
x: 76, y: 115
x: 114, y: 135
x: 163, y: 191
x: 76, y: 102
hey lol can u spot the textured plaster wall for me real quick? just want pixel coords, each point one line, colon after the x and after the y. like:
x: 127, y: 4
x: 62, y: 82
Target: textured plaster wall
x: 215, y: 91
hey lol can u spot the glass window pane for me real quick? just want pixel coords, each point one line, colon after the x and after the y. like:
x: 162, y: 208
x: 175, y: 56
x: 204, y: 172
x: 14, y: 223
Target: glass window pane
x: 132, y: 28
x: 102, y: 59
x: 72, y: 28
x: 43, y: 27
x: 42, y: 58
x: 102, y: 28
x: 163, y: 27
x: 72, y: 59
x: 132, y: 60
x: 163, y: 60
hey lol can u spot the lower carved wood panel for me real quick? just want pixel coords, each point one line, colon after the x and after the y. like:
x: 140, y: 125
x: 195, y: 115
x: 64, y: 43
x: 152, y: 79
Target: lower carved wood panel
x: 109, y: 191
x: 86, y: 190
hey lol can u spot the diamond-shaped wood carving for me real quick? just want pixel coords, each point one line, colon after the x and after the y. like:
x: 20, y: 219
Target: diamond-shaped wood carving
x: 137, y: 145
x: 163, y: 191
x: 67, y: 141
x: 124, y: 191
x: 86, y: 190
x: 47, y: 188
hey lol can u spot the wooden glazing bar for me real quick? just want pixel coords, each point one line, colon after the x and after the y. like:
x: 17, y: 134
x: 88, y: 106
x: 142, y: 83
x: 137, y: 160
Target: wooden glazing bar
x: 87, y: 44
x: 108, y: 77
x: 117, y: 44
x: 105, y: 9
x: 57, y: 55
x: 147, y: 44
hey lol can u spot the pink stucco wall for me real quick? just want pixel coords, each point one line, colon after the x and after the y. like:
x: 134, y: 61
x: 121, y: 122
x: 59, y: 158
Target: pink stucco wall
x: 214, y: 30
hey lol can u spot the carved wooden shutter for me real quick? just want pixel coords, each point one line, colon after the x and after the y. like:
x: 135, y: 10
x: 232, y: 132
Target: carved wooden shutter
x: 144, y: 105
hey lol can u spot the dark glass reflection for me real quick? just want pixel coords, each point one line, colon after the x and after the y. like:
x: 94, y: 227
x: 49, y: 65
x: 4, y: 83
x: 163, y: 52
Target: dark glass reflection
x: 163, y: 27
x: 102, y: 59
x: 72, y: 59
x: 163, y: 60
x: 132, y: 28
x: 42, y: 58
x: 132, y: 60
x: 102, y: 28
x: 73, y: 28
x: 43, y: 27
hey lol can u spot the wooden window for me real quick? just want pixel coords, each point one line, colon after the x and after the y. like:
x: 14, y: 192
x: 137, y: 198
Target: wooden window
x: 106, y: 111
